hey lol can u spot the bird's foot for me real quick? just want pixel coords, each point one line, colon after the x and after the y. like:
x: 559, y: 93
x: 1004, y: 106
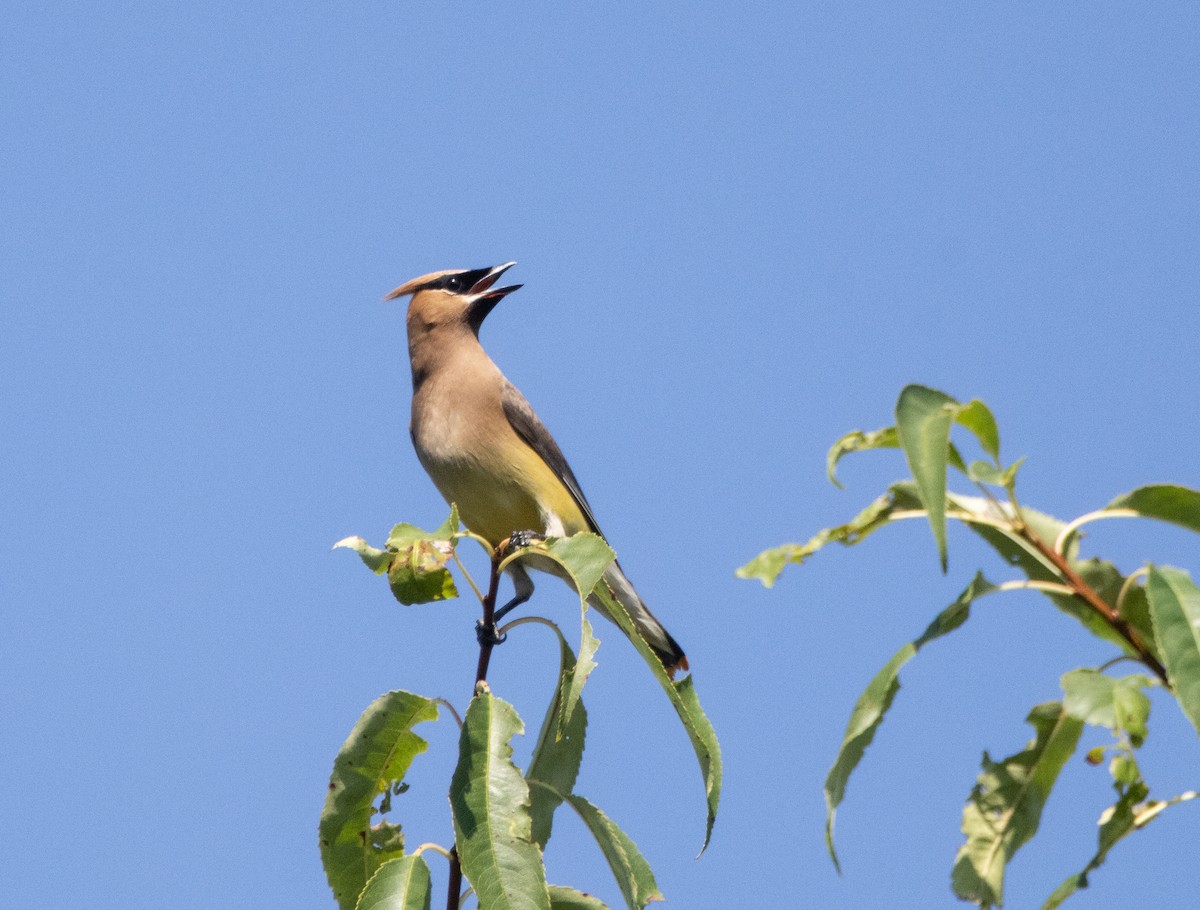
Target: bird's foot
x: 488, y: 635
x: 519, y: 539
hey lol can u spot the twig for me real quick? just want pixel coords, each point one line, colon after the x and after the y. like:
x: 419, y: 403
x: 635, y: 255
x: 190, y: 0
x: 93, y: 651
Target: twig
x: 487, y: 641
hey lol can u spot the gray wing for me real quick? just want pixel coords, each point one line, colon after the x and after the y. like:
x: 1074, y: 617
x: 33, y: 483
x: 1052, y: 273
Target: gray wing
x: 531, y: 429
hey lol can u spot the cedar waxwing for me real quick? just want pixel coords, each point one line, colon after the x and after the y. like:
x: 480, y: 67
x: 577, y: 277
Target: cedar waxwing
x: 484, y: 447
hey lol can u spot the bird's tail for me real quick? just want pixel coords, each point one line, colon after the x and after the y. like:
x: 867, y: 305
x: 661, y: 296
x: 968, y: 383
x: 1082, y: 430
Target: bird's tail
x: 659, y: 639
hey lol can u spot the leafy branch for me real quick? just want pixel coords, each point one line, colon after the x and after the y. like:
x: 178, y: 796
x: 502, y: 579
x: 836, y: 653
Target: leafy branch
x: 502, y: 816
x: 1151, y: 615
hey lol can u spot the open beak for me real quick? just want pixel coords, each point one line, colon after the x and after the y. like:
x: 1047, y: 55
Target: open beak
x: 489, y: 278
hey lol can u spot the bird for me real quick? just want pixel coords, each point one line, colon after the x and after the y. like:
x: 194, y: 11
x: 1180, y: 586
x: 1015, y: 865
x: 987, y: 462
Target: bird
x: 485, y: 448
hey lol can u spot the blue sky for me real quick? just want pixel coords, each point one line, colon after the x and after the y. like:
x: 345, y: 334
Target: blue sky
x: 741, y: 229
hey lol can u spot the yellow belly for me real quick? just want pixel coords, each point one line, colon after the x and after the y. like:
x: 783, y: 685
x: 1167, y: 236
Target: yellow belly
x: 496, y: 496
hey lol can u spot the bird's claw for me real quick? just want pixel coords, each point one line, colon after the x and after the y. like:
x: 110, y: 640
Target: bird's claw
x: 519, y: 539
x: 488, y: 635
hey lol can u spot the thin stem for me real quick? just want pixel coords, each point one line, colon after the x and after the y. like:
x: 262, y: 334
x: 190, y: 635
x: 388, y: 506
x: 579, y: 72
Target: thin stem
x: 450, y: 708
x: 452, y: 898
x: 489, y: 621
x: 503, y: 630
x: 1049, y: 587
x: 486, y: 643
x: 436, y: 848
x: 1060, y: 542
x: 1109, y: 614
x: 467, y: 575
x: 1130, y: 582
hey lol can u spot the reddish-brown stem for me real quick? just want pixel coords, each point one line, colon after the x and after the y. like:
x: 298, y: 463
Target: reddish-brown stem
x: 455, y: 887
x: 486, y: 643
x: 1104, y: 610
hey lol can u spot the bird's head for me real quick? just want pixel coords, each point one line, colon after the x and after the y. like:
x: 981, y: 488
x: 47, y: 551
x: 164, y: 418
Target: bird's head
x: 454, y: 297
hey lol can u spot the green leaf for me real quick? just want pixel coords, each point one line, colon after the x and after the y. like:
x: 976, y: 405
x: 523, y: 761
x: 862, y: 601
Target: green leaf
x: 583, y: 559
x: 1116, y: 822
x: 563, y: 898
x: 682, y: 694
x: 418, y: 573
x: 1099, y: 700
x: 923, y: 420
x: 985, y: 472
x: 630, y: 869
x: 399, y: 884
x: 377, y: 753
x: 981, y: 516
x: 1005, y: 806
x: 559, y: 750
x: 377, y: 560
x: 875, y: 701
x: 490, y: 803
x: 1164, y: 501
x: 768, y: 564
x: 404, y: 534
x: 977, y: 417
x: 858, y: 441
x: 1175, y: 609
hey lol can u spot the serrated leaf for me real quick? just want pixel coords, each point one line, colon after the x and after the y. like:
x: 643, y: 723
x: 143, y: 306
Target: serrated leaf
x: 768, y: 564
x: 377, y: 753
x: 582, y: 559
x: 563, y: 898
x: 558, y: 752
x: 875, y: 701
x: 1102, y: 701
x: 978, y: 418
x: 630, y: 869
x: 490, y: 803
x: 376, y: 560
x: 923, y: 420
x: 1175, y: 610
x: 682, y: 694
x: 1164, y: 501
x: 399, y: 884
x: 1005, y: 806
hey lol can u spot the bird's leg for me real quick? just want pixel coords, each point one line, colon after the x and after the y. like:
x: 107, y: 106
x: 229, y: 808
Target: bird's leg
x: 522, y: 591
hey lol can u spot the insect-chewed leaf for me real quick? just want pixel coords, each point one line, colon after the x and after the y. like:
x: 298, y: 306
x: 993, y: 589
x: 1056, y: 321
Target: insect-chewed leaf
x: 1125, y: 816
x: 1005, y: 806
x: 874, y: 703
x: 377, y: 754
x: 559, y: 751
x: 399, y: 884
x: 1164, y: 501
x: 1175, y: 609
x: 419, y: 574
x: 490, y: 803
x: 768, y: 564
x: 858, y: 441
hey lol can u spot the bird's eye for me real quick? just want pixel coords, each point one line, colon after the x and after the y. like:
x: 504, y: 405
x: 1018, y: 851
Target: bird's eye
x: 454, y: 283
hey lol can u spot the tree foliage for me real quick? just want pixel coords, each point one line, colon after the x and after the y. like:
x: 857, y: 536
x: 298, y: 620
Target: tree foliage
x: 502, y: 815
x: 1150, y: 616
